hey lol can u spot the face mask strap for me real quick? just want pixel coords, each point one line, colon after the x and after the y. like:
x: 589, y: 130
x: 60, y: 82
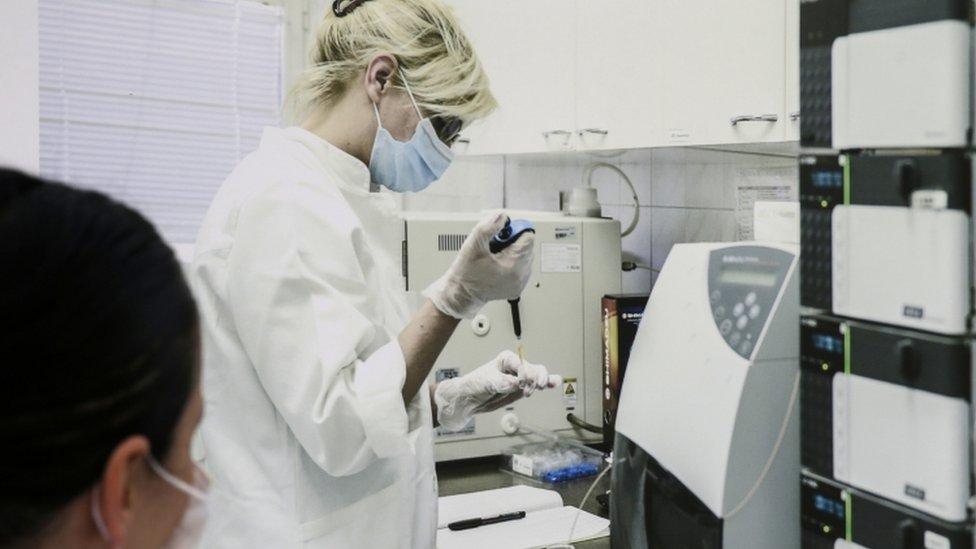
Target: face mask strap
x: 96, y: 513
x: 376, y: 111
x: 175, y: 481
x: 416, y: 107
x: 412, y: 100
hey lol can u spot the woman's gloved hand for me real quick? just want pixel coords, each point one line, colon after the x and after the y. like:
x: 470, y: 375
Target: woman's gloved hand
x: 492, y: 386
x: 478, y: 276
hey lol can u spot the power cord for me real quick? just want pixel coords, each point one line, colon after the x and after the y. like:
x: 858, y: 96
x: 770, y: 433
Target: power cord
x: 628, y: 266
x: 588, y: 182
x: 579, y: 511
x: 579, y: 423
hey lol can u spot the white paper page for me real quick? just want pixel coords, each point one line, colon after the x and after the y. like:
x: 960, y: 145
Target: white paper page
x: 490, y: 503
x: 537, y: 529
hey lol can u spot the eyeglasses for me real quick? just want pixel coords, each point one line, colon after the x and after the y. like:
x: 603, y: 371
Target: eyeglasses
x: 341, y: 11
x: 447, y: 128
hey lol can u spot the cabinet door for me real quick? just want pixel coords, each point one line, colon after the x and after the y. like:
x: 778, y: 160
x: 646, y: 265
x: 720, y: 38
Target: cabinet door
x: 528, y: 49
x: 617, y: 92
x: 720, y: 60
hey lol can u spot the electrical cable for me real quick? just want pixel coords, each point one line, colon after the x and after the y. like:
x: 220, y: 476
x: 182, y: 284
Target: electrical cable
x: 772, y: 455
x: 588, y: 182
x: 579, y: 510
x: 628, y: 266
x: 579, y: 423
x: 572, y: 529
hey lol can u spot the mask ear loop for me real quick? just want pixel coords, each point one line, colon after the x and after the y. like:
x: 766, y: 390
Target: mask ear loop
x: 376, y: 111
x: 412, y: 100
x: 96, y: 513
x: 176, y: 482
x: 416, y: 107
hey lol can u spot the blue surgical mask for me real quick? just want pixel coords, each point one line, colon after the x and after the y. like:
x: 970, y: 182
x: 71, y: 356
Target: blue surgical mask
x: 408, y: 166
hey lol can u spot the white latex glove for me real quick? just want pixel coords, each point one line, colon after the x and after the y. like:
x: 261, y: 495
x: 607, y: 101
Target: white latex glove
x: 477, y: 276
x: 492, y: 386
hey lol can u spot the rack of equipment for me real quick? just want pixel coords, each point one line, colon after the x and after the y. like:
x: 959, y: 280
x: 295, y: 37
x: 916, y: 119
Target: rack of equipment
x: 886, y: 274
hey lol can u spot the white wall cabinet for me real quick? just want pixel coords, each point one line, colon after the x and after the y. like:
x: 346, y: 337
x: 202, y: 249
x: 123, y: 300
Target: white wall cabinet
x: 528, y: 49
x: 719, y: 62
x: 19, y: 107
x: 617, y: 90
x: 626, y: 74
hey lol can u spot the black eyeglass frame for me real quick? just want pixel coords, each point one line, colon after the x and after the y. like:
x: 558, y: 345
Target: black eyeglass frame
x: 447, y: 128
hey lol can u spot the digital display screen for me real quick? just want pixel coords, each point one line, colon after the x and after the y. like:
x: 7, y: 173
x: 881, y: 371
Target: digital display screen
x: 742, y: 277
x: 830, y: 506
x: 827, y: 179
x: 828, y: 344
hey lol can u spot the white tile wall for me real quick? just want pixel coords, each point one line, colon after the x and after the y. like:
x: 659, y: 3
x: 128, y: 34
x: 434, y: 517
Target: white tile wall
x: 686, y: 195
x: 636, y: 246
x: 470, y: 184
x: 694, y: 193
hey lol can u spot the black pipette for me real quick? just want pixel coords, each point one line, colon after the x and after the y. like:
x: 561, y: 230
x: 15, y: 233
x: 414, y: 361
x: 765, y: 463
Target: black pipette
x: 503, y: 239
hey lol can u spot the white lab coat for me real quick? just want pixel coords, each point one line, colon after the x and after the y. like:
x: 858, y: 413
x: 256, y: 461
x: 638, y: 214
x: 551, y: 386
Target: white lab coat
x: 305, y: 433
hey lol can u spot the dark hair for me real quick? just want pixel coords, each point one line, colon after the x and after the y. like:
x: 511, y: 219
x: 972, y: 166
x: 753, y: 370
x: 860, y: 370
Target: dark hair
x: 98, y: 342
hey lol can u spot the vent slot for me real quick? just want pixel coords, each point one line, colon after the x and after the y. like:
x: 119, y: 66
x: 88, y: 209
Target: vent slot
x: 450, y: 242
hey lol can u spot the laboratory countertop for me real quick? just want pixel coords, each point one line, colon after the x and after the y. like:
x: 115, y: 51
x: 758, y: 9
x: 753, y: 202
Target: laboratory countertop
x: 474, y: 475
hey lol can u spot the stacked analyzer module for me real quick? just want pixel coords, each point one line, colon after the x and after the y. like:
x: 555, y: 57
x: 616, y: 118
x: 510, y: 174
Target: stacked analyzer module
x: 887, y: 348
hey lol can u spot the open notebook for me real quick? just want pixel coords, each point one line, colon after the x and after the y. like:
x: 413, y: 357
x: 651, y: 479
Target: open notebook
x: 546, y: 522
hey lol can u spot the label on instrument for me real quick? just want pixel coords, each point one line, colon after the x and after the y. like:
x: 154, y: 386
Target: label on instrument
x: 570, y: 391
x: 562, y: 258
x: 936, y: 541
x: 565, y: 233
x: 522, y: 464
x: 930, y: 199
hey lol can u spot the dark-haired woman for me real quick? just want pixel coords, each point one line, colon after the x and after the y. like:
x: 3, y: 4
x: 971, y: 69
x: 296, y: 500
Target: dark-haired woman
x: 99, y: 368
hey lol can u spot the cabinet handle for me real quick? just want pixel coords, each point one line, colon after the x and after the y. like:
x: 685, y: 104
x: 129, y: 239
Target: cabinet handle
x: 462, y: 141
x: 551, y: 133
x: 795, y: 115
x: 754, y: 118
x: 594, y: 131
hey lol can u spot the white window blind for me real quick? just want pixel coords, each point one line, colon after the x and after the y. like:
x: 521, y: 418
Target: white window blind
x: 155, y: 101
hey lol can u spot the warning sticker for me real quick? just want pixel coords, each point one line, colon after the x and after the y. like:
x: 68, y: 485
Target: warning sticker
x: 562, y: 258
x: 570, y: 389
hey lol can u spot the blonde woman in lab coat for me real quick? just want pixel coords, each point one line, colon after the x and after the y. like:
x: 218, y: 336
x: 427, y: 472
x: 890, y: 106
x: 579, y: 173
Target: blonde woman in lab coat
x: 318, y: 422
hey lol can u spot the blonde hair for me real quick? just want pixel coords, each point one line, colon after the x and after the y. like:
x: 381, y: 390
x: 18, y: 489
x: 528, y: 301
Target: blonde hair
x: 434, y: 56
